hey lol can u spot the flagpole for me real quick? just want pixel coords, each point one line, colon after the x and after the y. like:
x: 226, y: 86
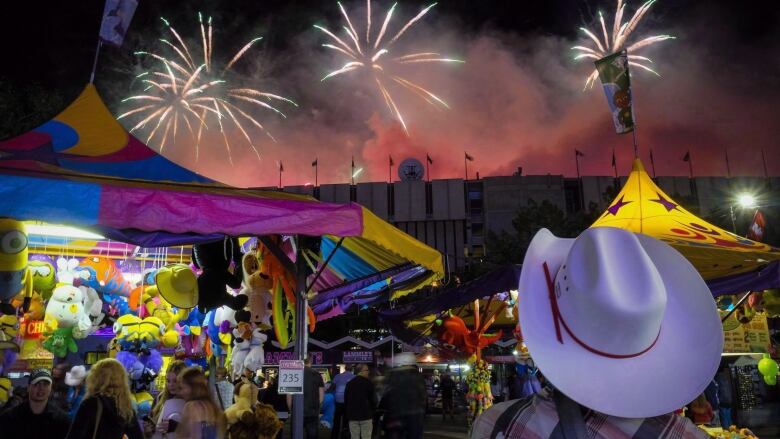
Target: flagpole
x: 614, y: 163
x: 577, y: 162
x: 352, y: 170
x: 690, y: 165
x: 652, y: 162
x: 763, y: 158
x: 728, y: 166
x: 466, y: 166
x: 390, y: 169
x: 280, y: 174
x: 428, y: 166
x: 95, y: 61
x: 316, y: 172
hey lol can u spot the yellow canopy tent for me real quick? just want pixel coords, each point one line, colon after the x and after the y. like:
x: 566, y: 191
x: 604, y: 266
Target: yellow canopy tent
x: 642, y: 207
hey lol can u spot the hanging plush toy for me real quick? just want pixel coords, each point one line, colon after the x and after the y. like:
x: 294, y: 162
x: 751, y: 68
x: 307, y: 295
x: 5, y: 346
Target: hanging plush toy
x: 127, y: 331
x: 142, y: 370
x: 256, y: 357
x: 190, y: 331
x: 219, y: 323
x: 44, y: 275
x: 245, y: 397
x: 66, y: 270
x: 15, y: 277
x: 60, y: 341
x: 109, y: 276
x: 214, y: 259
x: 66, y: 308
x: 242, y: 337
x: 257, y: 286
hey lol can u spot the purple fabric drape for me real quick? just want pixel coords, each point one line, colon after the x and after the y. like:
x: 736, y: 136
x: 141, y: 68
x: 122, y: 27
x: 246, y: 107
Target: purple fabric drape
x: 759, y: 280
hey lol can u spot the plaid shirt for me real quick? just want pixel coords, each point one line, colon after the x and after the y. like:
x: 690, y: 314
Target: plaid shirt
x: 536, y: 417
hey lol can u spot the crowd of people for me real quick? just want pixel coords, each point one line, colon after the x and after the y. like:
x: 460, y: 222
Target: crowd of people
x: 74, y: 403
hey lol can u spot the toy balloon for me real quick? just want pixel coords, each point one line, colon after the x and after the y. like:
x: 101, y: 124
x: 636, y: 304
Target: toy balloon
x: 768, y: 368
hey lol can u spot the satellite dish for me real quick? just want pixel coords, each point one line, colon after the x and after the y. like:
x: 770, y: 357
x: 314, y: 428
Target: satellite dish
x: 411, y: 170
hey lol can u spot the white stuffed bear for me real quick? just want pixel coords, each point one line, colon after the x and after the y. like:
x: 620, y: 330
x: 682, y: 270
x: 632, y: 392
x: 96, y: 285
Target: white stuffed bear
x: 256, y: 357
x: 66, y: 307
x: 239, y: 353
x: 93, y: 306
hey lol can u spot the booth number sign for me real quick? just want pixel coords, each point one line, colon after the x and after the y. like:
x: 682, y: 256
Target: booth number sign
x: 290, y: 376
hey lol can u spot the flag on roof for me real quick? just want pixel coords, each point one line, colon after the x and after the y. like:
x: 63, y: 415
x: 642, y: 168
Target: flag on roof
x: 117, y: 15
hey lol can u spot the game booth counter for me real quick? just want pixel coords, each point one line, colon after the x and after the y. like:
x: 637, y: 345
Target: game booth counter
x: 110, y: 244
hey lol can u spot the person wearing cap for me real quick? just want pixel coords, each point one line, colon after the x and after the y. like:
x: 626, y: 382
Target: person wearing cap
x: 37, y: 417
x: 624, y: 330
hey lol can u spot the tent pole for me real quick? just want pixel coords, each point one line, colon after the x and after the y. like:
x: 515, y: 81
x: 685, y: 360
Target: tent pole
x: 94, y: 63
x: 301, y: 334
x: 324, y: 266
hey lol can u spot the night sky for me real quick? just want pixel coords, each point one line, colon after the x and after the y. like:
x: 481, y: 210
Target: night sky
x: 517, y: 101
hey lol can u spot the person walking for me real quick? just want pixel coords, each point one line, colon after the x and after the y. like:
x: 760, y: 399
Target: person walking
x: 167, y: 411
x: 313, y: 394
x: 359, y: 404
x: 340, y: 384
x: 106, y: 411
x: 624, y: 330
x: 201, y: 418
x: 36, y: 417
x: 447, y: 388
x: 405, y: 399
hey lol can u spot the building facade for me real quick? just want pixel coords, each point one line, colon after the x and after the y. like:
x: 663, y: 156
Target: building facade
x: 454, y: 216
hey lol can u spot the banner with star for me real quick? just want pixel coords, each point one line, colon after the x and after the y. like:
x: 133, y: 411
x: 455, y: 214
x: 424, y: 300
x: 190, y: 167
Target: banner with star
x: 613, y: 72
x: 642, y: 207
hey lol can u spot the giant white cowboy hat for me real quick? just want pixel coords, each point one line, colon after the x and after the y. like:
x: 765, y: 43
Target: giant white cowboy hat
x: 637, y: 333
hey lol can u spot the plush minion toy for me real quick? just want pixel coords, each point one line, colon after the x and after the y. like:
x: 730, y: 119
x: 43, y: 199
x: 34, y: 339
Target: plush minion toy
x: 14, y: 274
x: 150, y: 333
x: 126, y: 331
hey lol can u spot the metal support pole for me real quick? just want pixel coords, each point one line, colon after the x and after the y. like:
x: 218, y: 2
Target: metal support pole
x: 736, y: 305
x: 301, y: 336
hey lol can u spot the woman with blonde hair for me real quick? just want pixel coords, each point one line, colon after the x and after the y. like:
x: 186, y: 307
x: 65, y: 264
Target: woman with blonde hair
x: 166, y: 413
x: 107, y: 409
x: 202, y: 418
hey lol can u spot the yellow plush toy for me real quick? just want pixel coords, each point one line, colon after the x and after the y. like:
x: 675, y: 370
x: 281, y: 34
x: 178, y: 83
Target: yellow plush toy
x: 15, y: 277
x: 245, y: 400
x: 163, y: 310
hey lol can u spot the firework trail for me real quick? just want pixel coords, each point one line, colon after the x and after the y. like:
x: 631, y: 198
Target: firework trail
x: 372, y: 54
x: 181, y: 92
x: 620, y: 33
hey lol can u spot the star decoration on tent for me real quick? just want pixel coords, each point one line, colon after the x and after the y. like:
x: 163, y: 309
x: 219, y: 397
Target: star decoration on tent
x: 668, y: 205
x: 613, y: 209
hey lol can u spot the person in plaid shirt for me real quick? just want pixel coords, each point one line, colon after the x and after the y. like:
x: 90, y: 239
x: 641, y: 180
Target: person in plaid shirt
x: 624, y: 330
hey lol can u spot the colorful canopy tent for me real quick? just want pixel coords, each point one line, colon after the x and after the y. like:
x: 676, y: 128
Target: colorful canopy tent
x: 83, y: 169
x: 86, y: 138
x: 642, y: 207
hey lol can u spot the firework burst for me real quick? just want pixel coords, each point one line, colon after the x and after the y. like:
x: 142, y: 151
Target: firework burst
x: 619, y: 40
x: 372, y: 54
x: 183, y: 94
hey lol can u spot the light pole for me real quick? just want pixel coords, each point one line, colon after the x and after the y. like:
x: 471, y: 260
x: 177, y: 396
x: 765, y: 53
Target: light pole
x: 744, y: 201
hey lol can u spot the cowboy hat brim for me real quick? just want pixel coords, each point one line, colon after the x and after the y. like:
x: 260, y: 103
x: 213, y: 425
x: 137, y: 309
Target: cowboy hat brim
x: 670, y: 375
x: 180, y: 299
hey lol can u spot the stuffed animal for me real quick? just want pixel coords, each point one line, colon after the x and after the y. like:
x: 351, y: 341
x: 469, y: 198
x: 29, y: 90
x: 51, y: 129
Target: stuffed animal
x: 245, y: 397
x: 142, y: 369
x: 256, y: 357
x: 109, y: 276
x: 36, y: 307
x: 190, y: 330
x: 15, y: 277
x: 214, y: 259
x: 66, y: 307
x: 150, y: 334
x: 93, y: 306
x: 127, y: 331
x: 240, y: 349
x: 5, y: 390
x: 74, y: 379
x: 66, y: 270
x: 60, y: 341
x: 44, y: 275
x: 257, y: 286
x: 219, y: 323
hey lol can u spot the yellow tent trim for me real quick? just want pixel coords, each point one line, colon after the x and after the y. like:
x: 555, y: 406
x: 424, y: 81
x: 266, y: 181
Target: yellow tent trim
x: 100, y: 133
x: 642, y: 207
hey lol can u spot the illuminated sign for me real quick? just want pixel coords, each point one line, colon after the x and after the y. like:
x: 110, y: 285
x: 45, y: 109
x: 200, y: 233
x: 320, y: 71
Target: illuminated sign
x: 34, y: 329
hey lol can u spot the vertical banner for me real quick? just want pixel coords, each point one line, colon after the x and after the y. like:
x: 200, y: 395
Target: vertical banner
x: 613, y: 72
x: 117, y: 15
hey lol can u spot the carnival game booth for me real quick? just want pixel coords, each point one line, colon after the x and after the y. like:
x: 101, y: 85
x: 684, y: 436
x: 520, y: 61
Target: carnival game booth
x: 734, y: 268
x: 83, y: 170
